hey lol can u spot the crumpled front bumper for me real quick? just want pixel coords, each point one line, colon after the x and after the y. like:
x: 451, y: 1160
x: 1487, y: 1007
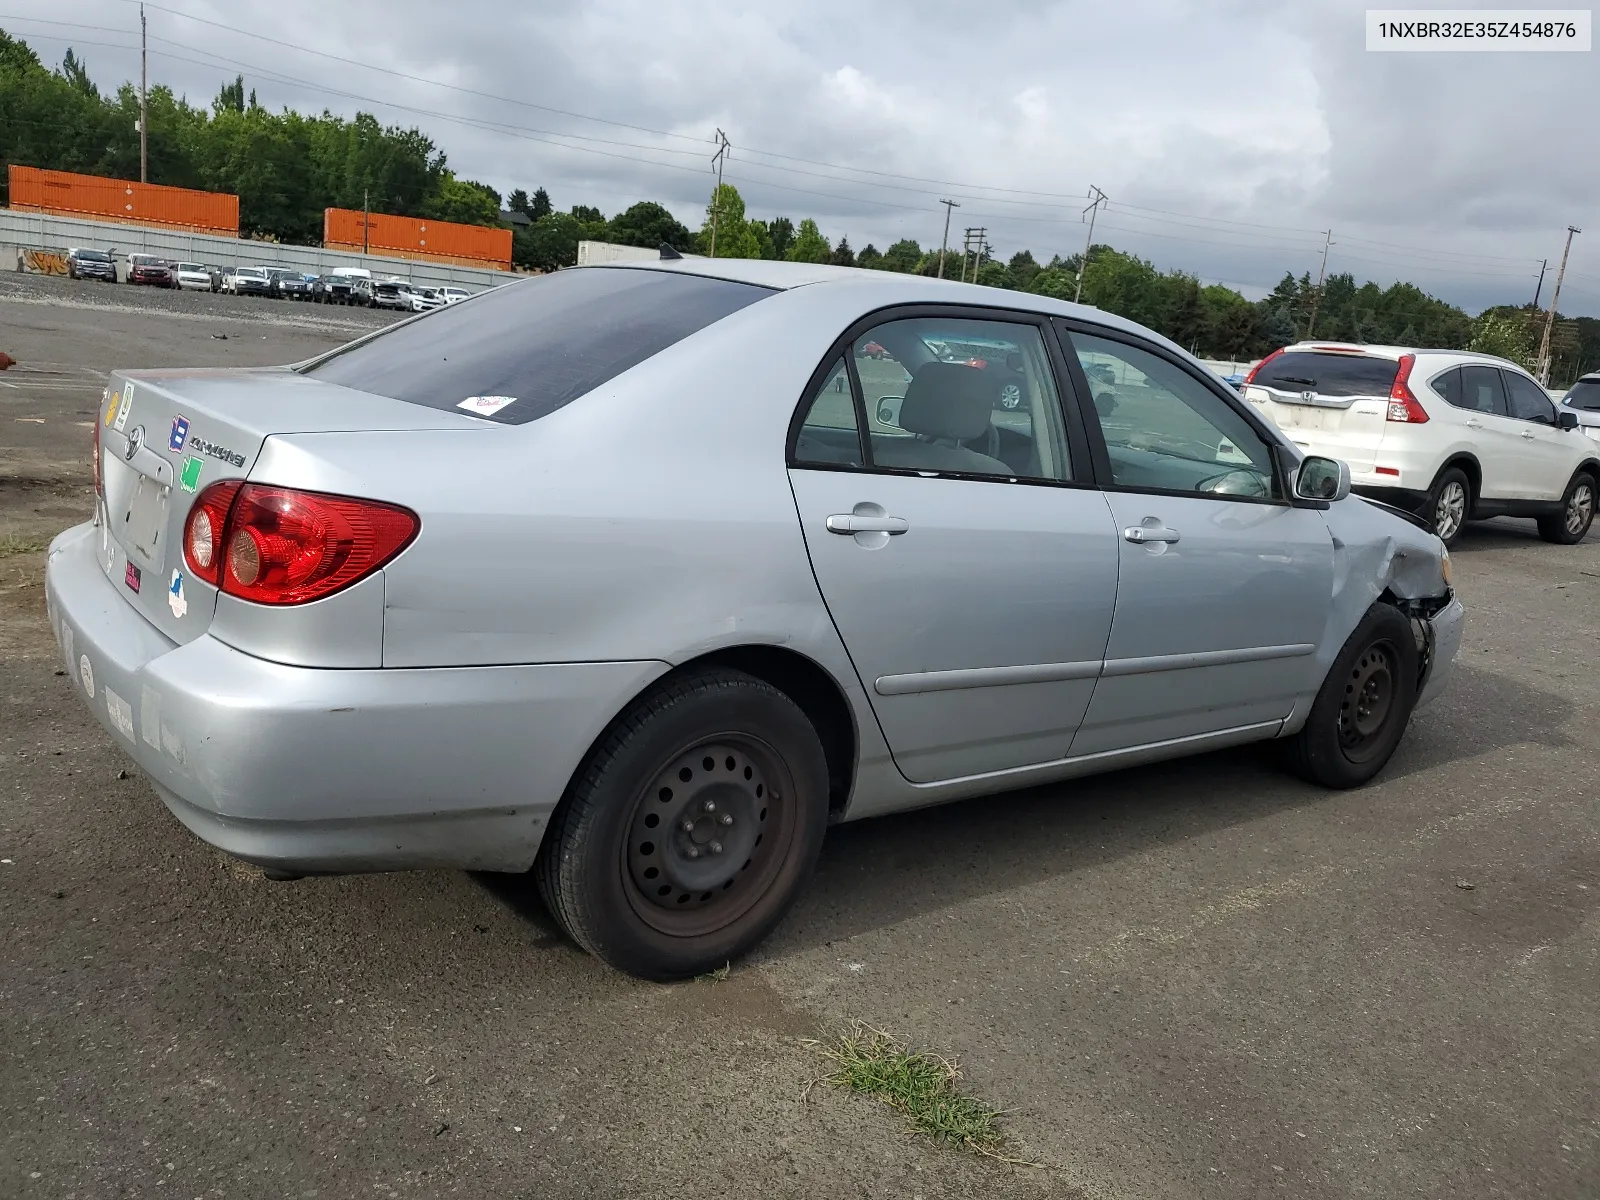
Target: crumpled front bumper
x: 1446, y: 627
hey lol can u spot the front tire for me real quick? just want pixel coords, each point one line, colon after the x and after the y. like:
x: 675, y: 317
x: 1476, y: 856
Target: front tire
x: 1361, y: 711
x: 690, y: 830
x: 1571, y: 524
x: 1450, y: 504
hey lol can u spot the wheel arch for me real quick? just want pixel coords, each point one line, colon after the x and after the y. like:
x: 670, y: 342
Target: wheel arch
x: 1467, y: 463
x: 801, y: 678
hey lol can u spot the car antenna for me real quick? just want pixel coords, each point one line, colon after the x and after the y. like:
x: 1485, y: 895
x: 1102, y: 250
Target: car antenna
x: 668, y: 252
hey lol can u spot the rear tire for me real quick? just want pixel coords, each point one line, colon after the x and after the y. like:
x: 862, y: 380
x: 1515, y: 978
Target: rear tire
x: 690, y: 830
x: 1361, y: 711
x: 1450, y: 504
x: 1571, y: 524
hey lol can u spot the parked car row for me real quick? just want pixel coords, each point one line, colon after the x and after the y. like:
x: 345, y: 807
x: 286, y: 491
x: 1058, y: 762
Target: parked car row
x: 343, y: 285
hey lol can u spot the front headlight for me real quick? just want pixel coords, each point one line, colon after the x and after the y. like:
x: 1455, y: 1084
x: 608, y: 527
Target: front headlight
x: 1444, y: 569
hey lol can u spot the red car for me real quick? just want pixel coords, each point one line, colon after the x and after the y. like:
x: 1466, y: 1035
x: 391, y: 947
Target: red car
x: 143, y: 268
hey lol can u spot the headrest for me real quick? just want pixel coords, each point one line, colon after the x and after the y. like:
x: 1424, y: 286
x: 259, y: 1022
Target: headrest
x: 948, y: 400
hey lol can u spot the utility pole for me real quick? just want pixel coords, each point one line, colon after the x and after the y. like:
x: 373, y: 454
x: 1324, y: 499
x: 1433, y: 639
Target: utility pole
x: 1322, y: 272
x: 144, y: 116
x: 973, y: 244
x: 1550, y: 317
x: 716, y: 199
x: 1092, y: 210
x: 945, y: 240
x: 1542, y: 267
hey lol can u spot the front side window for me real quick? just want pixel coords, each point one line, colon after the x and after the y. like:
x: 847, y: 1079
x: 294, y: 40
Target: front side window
x: 525, y: 349
x: 1482, y: 391
x: 1167, y: 431
x: 1527, y: 400
x: 955, y: 395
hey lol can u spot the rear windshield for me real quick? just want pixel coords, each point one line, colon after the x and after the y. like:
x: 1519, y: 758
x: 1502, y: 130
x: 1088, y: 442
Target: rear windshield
x: 522, y: 350
x: 1585, y: 395
x: 1329, y: 374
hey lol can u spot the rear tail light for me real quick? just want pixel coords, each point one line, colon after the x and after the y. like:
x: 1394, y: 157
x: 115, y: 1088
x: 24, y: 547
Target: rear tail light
x: 1251, y: 376
x: 1403, y: 405
x: 99, y: 484
x: 275, y: 545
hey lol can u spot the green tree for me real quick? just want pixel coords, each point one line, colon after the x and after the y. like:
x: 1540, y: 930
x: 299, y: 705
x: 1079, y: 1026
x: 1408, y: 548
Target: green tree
x: 649, y: 224
x: 870, y: 258
x: 552, y: 241
x: 539, y: 206
x: 903, y: 256
x: 843, y: 256
x: 463, y: 201
x: 734, y: 237
x: 587, y: 214
x: 991, y: 274
x: 780, y: 236
x: 231, y: 97
x: 517, y: 202
x: 1503, y: 336
x: 77, y: 77
x: 809, y: 245
x: 1020, y: 271
x: 1056, y: 282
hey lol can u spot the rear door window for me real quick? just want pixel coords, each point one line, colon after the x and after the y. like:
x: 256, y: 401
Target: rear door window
x: 1336, y: 375
x: 1481, y: 391
x: 523, y: 350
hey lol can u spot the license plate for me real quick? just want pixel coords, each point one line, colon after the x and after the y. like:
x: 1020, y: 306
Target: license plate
x: 146, y: 518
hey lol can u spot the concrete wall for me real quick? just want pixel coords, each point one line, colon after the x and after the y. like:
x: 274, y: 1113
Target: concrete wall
x: 43, y: 232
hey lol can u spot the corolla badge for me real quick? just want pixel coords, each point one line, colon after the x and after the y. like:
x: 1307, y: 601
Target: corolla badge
x: 135, y: 440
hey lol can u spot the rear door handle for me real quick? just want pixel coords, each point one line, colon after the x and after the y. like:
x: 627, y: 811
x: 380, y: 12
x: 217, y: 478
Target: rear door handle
x: 849, y: 523
x: 1474, y: 424
x: 1144, y: 534
x: 1529, y: 434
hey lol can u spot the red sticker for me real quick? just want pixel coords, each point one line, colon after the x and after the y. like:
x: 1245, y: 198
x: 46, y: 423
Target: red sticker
x: 132, y: 577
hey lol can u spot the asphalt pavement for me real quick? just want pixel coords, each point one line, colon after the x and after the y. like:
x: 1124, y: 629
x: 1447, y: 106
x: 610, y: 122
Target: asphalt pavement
x: 1201, y: 979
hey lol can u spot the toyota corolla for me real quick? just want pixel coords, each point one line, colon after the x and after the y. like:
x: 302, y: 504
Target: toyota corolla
x: 639, y: 576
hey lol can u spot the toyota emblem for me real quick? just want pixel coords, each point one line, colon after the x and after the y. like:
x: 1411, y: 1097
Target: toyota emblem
x: 135, y: 440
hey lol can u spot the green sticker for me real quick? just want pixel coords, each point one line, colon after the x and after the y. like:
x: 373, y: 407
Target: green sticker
x: 189, y: 478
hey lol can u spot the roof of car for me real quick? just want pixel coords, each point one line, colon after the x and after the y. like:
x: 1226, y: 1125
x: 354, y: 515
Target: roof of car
x: 1394, y: 352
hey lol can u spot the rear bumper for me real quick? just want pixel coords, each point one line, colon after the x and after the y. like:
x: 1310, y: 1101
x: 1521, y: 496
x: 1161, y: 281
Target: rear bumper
x: 326, y: 771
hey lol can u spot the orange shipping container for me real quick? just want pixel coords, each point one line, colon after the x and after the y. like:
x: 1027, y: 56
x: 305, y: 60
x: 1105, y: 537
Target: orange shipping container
x: 98, y: 198
x: 415, y: 238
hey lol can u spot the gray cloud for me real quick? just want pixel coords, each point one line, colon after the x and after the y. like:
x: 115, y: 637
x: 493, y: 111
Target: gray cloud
x: 1226, y: 135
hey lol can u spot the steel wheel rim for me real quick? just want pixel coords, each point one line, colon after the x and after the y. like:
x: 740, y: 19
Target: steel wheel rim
x: 1368, y: 701
x: 676, y: 881
x: 1451, y: 509
x: 1580, y: 508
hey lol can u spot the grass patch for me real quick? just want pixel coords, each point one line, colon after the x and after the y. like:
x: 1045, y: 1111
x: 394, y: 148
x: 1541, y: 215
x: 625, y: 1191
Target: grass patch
x: 12, y: 544
x: 716, y: 976
x: 922, y: 1086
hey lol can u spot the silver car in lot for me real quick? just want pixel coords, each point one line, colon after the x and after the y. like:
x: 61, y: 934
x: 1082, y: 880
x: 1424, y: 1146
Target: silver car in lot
x: 638, y: 576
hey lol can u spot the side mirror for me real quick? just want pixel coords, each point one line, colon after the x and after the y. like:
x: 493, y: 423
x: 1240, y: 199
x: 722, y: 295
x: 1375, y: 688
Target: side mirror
x: 1566, y: 418
x: 1321, y: 478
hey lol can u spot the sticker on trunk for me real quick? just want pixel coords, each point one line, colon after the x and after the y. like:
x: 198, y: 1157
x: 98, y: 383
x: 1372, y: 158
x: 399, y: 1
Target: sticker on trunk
x: 111, y: 409
x: 179, y: 434
x: 127, y: 407
x: 189, y: 475
x: 86, y: 673
x: 175, y: 597
x: 486, y: 406
x: 121, y: 714
x: 132, y: 577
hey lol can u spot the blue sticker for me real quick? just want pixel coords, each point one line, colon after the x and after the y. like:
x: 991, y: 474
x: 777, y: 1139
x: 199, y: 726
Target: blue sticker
x: 180, y: 433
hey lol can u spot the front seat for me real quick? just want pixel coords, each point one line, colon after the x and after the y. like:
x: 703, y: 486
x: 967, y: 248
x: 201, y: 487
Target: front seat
x: 946, y: 404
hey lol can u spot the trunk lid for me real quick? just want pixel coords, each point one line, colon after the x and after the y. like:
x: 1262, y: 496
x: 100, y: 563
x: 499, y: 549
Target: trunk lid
x: 166, y: 436
x: 1328, y: 402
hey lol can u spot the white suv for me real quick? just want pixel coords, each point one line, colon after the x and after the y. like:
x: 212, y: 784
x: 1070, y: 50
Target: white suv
x: 1583, y: 398
x: 1446, y: 434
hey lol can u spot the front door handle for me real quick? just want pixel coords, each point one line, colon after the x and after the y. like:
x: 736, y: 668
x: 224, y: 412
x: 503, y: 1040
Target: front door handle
x: 1144, y: 534
x: 1474, y: 424
x: 1529, y: 434
x: 849, y: 523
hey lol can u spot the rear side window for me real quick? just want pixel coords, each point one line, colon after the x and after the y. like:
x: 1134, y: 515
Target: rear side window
x: 1585, y: 396
x: 1448, y: 385
x: 523, y: 350
x: 1329, y: 374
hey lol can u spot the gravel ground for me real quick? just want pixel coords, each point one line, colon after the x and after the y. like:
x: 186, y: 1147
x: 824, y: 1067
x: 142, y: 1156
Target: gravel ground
x: 1201, y: 979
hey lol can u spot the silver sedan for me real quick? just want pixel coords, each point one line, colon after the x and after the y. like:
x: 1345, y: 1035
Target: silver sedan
x: 639, y: 576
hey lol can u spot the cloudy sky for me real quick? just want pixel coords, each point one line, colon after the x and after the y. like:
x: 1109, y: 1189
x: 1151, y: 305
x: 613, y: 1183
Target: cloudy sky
x: 1227, y: 136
